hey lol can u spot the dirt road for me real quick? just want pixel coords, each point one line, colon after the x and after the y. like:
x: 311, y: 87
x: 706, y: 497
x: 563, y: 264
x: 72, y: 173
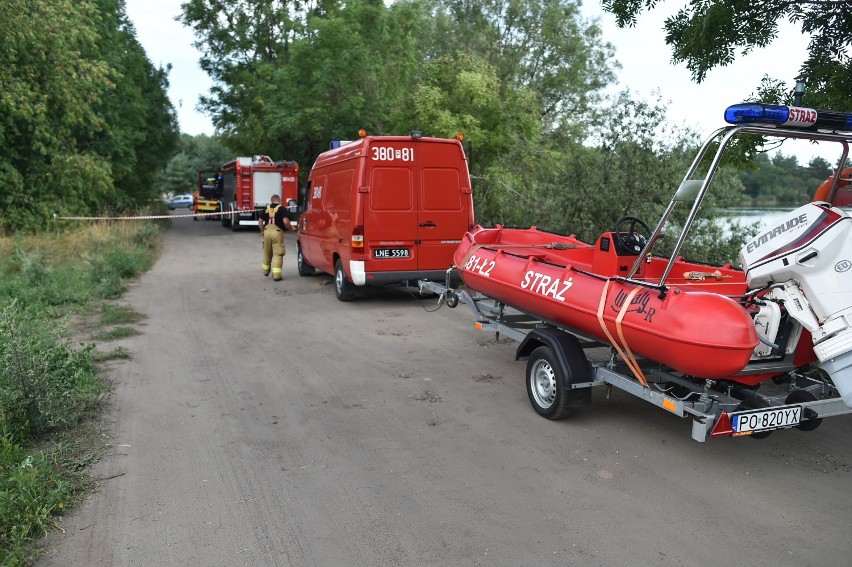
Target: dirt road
x: 264, y: 423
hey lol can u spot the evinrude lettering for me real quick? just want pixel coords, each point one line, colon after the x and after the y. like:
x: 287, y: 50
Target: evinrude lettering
x: 543, y: 284
x: 780, y: 229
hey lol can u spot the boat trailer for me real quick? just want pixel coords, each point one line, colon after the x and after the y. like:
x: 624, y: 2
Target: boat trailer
x: 563, y: 366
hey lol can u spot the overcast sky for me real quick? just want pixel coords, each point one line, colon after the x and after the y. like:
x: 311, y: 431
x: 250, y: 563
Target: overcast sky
x: 644, y: 58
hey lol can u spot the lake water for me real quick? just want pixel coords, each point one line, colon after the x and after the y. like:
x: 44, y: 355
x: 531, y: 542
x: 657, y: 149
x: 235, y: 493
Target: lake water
x: 746, y: 216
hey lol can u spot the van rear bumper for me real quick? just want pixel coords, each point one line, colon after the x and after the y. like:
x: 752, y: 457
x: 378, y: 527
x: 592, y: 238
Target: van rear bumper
x: 382, y: 278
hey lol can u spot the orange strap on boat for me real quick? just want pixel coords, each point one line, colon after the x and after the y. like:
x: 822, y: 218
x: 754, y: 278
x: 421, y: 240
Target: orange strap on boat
x: 628, y: 358
x: 635, y: 367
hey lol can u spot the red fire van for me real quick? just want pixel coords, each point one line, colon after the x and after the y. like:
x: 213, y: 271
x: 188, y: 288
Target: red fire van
x: 385, y: 209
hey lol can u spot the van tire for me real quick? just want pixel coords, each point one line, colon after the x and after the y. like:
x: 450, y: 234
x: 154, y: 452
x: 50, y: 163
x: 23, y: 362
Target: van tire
x: 305, y: 269
x: 343, y: 288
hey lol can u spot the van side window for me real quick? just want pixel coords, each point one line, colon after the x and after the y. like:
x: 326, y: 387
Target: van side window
x: 440, y: 190
x: 306, y: 196
x: 339, y: 190
x: 391, y: 189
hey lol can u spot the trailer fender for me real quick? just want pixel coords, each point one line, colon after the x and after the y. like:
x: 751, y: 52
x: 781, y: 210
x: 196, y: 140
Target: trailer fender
x: 574, y: 366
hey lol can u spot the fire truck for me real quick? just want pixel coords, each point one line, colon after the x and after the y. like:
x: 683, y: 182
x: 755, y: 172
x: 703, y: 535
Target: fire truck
x: 248, y: 183
x: 208, y: 194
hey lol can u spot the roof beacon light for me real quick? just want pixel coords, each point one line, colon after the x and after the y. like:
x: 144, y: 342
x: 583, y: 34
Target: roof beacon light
x: 416, y: 134
x: 788, y: 116
x: 362, y: 133
x: 798, y: 93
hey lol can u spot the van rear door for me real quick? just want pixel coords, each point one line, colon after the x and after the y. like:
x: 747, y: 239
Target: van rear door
x: 390, y: 211
x: 445, y: 203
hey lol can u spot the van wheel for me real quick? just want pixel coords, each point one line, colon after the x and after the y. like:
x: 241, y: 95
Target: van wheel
x: 546, y: 385
x: 343, y: 288
x: 305, y: 269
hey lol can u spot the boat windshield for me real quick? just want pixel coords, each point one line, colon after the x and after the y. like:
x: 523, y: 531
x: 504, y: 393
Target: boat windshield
x: 780, y: 170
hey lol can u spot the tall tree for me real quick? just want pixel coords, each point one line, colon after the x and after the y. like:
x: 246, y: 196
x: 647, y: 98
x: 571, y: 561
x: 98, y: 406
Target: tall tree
x: 85, y: 123
x: 710, y: 33
x: 194, y: 152
x: 50, y: 93
x: 542, y: 45
x: 501, y: 74
x: 140, y: 125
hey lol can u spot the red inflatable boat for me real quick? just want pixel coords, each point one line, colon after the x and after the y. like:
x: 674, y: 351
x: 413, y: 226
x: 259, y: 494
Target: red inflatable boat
x: 692, y: 339
x: 694, y: 327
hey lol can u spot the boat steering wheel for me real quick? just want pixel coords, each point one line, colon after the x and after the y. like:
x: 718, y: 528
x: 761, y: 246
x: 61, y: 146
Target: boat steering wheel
x: 630, y: 239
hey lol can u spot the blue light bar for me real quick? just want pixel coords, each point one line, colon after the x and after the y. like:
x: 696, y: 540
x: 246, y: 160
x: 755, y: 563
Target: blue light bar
x: 788, y: 116
x: 749, y: 113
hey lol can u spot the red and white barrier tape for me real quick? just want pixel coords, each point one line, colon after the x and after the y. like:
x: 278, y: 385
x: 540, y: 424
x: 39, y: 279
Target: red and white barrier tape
x: 146, y: 217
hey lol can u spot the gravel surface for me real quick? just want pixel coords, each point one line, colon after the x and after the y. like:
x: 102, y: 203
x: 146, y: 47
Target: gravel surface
x: 264, y: 423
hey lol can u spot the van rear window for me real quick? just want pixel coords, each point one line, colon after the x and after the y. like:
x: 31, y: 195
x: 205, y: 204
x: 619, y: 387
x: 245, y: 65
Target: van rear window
x: 441, y: 190
x: 391, y: 189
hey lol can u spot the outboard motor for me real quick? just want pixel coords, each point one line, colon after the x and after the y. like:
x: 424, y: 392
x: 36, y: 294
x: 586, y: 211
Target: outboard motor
x: 807, y: 259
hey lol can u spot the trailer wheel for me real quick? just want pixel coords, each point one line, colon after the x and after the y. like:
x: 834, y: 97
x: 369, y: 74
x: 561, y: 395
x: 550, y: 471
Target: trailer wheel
x: 799, y: 397
x: 305, y: 269
x: 545, y: 385
x: 343, y: 288
x: 452, y: 299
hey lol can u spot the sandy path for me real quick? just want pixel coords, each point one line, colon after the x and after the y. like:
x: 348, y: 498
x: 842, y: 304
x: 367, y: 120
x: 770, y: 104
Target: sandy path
x: 269, y: 424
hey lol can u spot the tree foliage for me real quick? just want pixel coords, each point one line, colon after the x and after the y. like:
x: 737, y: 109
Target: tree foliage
x: 781, y: 180
x: 341, y: 67
x: 194, y: 153
x: 710, y: 33
x: 521, y: 79
x: 84, y: 119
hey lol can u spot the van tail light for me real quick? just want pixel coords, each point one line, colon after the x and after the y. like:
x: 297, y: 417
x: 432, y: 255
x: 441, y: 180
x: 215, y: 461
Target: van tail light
x: 358, y: 239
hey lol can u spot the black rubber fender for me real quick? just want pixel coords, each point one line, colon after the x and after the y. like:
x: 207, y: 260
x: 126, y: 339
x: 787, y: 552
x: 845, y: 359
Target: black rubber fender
x: 574, y: 365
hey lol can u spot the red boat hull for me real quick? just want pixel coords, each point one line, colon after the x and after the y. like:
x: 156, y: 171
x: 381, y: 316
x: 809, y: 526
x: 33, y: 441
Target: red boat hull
x: 694, y: 332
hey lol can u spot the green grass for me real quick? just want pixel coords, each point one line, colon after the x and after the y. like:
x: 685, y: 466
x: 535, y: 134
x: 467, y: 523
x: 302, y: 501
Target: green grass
x: 119, y: 353
x: 115, y: 333
x: 119, y: 315
x: 50, y: 389
x: 32, y: 491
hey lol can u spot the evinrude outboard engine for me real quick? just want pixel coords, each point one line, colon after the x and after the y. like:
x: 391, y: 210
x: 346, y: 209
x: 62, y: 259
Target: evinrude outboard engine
x: 807, y: 259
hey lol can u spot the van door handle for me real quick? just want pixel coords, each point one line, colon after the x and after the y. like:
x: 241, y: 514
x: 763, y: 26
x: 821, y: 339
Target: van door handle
x: 429, y: 224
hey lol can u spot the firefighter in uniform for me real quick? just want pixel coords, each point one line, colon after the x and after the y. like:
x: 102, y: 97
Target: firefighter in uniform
x: 272, y: 223
x: 195, y: 196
